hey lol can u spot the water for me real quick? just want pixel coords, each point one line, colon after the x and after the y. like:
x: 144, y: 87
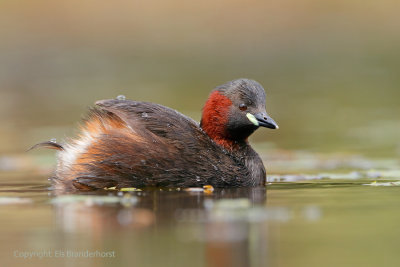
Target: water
x: 308, y: 222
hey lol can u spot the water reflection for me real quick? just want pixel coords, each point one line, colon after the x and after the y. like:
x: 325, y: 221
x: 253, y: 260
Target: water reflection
x: 226, y: 222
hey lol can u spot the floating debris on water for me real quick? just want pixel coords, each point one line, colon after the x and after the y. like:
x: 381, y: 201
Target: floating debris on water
x: 94, y: 200
x: 355, y: 175
x: 208, y: 189
x: 110, y: 188
x: 121, y: 97
x: 88, y: 200
x: 375, y: 183
x: 14, y: 200
x: 130, y: 189
x: 194, y: 189
x: 124, y: 189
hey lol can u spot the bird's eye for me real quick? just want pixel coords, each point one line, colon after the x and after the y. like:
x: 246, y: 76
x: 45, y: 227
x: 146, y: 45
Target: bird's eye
x: 243, y: 107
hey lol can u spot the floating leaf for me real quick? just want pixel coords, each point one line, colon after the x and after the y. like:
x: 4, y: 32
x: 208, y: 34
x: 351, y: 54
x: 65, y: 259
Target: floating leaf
x: 110, y: 188
x: 208, y: 189
x: 130, y: 189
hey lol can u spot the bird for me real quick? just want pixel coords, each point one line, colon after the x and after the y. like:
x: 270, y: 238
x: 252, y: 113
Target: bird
x: 125, y: 143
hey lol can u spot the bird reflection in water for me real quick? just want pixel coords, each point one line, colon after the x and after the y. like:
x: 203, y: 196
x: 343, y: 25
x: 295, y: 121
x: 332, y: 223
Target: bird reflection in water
x: 225, y: 222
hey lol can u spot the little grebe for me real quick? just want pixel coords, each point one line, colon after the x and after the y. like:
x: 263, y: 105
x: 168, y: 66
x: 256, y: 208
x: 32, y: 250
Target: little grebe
x: 127, y: 143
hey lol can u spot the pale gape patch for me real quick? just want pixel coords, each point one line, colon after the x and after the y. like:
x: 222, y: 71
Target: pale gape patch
x: 252, y: 119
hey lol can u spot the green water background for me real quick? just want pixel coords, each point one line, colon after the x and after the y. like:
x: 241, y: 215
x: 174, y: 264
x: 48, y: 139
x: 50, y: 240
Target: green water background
x: 330, y: 68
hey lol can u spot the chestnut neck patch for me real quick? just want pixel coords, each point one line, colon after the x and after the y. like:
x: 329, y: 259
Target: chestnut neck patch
x: 215, y: 119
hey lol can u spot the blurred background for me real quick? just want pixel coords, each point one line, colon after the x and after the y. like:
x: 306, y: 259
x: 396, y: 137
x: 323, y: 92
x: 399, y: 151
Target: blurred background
x: 330, y: 68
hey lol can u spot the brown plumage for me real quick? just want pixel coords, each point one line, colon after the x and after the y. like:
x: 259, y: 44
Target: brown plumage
x: 126, y: 143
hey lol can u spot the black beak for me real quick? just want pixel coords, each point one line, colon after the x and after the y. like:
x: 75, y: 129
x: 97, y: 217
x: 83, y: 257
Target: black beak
x: 264, y: 120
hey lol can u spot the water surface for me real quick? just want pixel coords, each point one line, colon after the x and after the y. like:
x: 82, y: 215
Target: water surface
x: 309, y: 221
